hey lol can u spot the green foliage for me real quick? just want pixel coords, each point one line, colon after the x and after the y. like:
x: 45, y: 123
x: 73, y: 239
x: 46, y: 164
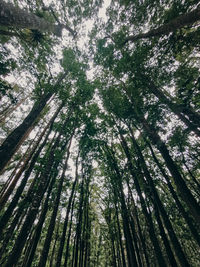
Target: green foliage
x: 102, y: 113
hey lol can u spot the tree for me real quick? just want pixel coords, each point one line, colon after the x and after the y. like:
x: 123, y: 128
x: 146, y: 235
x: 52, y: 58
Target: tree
x: 103, y: 171
x: 16, y: 17
x: 14, y: 140
x: 171, y: 26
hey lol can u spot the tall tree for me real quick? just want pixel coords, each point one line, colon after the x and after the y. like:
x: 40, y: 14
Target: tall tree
x: 16, y: 17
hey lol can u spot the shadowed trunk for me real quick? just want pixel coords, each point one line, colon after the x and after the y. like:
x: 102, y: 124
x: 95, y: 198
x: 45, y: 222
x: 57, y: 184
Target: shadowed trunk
x: 187, y: 218
x: 45, y: 251
x: 23, y: 167
x: 157, y: 249
x: 62, y: 240
x: 185, y: 193
x: 15, y: 138
x: 187, y: 115
x: 173, y: 25
x: 14, y: 16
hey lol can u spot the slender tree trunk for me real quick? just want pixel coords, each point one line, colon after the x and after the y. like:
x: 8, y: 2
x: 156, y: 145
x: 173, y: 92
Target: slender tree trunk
x: 120, y: 238
x: 157, y: 249
x: 10, y: 231
x: 88, y: 234
x: 134, y: 234
x: 185, y: 193
x: 38, y: 230
x: 44, y: 181
x: 173, y: 25
x: 21, y: 239
x: 125, y: 216
x: 96, y: 264
x: 12, y: 205
x: 78, y: 228
x: 138, y: 226
x: 165, y: 240
x: 16, y: 17
x: 177, y: 247
x: 193, y: 120
x: 14, y: 139
x: 45, y: 251
x: 111, y: 236
x: 177, y: 201
x: 53, y: 256
x: 190, y: 172
x: 13, y: 174
x: 8, y: 112
x: 84, y: 233
x: 27, y: 159
x: 69, y: 235
x: 62, y: 240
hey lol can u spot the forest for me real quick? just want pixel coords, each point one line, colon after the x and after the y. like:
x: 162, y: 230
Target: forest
x: 99, y: 133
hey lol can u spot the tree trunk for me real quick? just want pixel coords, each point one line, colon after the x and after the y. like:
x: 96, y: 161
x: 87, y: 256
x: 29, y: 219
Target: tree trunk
x: 23, y: 167
x: 158, y: 204
x: 157, y: 249
x: 38, y: 230
x: 52, y: 259
x: 178, y: 203
x: 21, y: 239
x: 171, y: 258
x: 193, y: 120
x: 10, y: 110
x: 44, y: 181
x: 111, y: 237
x: 88, y: 234
x: 79, y: 223
x: 16, y: 169
x: 173, y: 25
x: 10, y: 230
x: 15, y: 17
x: 139, y: 227
x: 185, y: 193
x: 14, y: 139
x: 118, y: 191
x: 120, y: 239
x: 69, y: 235
x: 62, y: 240
x: 12, y: 205
x: 45, y: 251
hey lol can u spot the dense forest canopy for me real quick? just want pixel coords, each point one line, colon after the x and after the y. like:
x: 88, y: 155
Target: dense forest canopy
x: 100, y: 128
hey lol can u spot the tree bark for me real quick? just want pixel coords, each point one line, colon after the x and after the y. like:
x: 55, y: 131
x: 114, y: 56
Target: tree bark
x: 8, y: 192
x: 15, y: 138
x: 188, y: 220
x: 158, y: 205
x: 120, y: 238
x: 125, y: 216
x: 157, y: 249
x: 69, y: 234
x: 193, y: 120
x: 6, y: 216
x: 44, y: 181
x: 14, y: 16
x: 62, y: 240
x: 172, y: 26
x: 79, y: 223
x: 45, y: 251
x: 30, y: 218
x: 185, y: 193
x: 141, y: 237
x: 38, y: 230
